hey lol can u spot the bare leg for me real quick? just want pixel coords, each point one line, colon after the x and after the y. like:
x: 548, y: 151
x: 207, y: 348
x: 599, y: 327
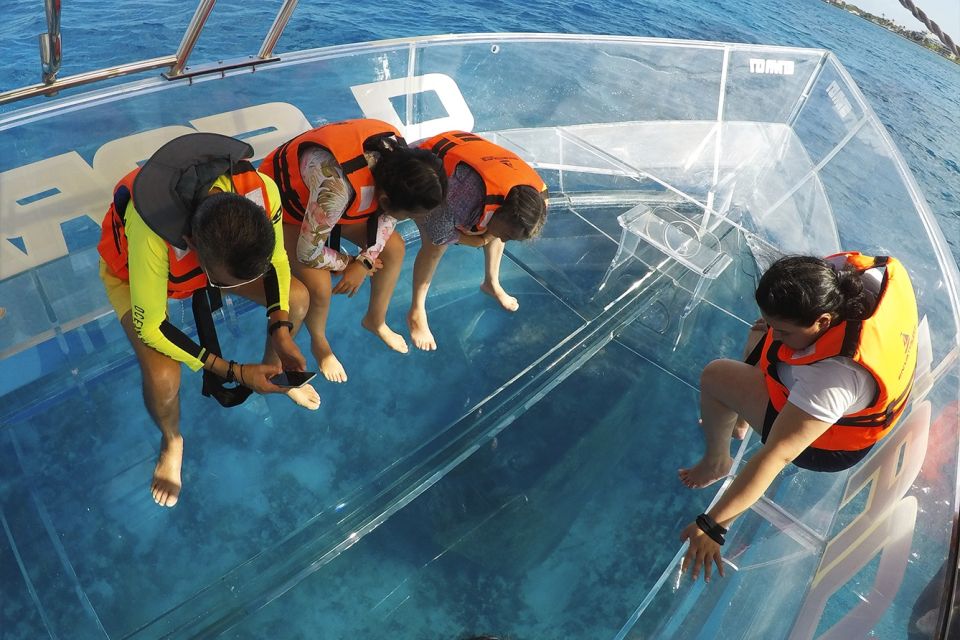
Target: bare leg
x: 305, y: 396
x: 318, y: 286
x: 728, y: 389
x: 382, y: 284
x: 161, y: 396
x: 492, y: 255
x: 755, y: 335
x: 428, y: 257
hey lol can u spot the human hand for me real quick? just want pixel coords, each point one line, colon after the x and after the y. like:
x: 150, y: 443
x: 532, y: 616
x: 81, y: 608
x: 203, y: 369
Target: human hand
x: 759, y: 325
x: 291, y: 359
x: 257, y: 377
x: 353, y: 277
x: 702, y: 552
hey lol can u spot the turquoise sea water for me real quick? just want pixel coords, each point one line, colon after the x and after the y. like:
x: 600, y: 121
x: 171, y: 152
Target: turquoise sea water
x: 915, y: 92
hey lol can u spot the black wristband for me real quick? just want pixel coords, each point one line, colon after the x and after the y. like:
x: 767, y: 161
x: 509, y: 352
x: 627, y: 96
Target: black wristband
x: 365, y: 261
x: 230, y: 377
x: 710, y: 527
x: 280, y: 323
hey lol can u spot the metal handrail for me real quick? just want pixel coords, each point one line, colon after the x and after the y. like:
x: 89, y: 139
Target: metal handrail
x: 279, y: 24
x: 50, y: 54
x: 191, y: 35
x: 86, y: 78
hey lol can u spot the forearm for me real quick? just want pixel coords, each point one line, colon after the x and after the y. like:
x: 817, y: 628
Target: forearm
x: 470, y: 240
x: 385, y: 226
x: 749, y: 485
x: 276, y: 282
x: 171, y: 342
x: 312, y: 252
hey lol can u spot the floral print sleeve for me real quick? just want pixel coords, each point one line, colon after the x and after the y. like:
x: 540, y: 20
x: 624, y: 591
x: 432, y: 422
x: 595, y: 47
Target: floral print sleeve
x: 385, y: 226
x: 330, y: 194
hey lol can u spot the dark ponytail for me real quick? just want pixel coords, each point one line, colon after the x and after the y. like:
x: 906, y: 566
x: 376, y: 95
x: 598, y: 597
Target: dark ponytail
x: 410, y: 178
x: 800, y: 289
x: 856, y: 302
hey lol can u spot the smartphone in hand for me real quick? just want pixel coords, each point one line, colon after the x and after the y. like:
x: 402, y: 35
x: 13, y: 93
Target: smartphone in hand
x: 293, y: 379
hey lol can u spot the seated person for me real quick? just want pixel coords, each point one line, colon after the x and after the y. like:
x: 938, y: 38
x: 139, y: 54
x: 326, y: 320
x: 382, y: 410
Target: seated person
x: 197, y: 216
x: 830, y: 378
x: 493, y: 197
x: 356, y: 178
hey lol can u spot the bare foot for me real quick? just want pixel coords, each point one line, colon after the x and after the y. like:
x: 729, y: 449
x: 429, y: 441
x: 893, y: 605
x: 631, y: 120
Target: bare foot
x: 706, y: 472
x: 740, y: 429
x: 420, y: 331
x: 305, y: 396
x: 166, y: 475
x: 390, y: 337
x: 506, y: 301
x: 329, y: 365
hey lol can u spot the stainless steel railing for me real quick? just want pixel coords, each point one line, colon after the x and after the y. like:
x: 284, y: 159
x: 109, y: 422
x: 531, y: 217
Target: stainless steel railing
x: 279, y: 24
x: 50, y: 51
x: 51, y: 54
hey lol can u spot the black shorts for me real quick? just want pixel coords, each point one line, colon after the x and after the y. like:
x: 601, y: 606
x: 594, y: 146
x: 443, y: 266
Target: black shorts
x: 817, y: 459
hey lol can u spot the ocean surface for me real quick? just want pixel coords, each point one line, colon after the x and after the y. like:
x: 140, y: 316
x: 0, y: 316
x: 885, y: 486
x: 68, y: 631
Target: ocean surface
x: 915, y: 93
x: 241, y: 505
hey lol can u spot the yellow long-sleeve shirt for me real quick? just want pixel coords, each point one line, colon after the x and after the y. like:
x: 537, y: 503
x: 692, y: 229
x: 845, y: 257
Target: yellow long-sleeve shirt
x: 149, y: 267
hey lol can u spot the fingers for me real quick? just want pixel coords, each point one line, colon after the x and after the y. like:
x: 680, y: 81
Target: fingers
x: 719, y: 560
x: 347, y: 287
x: 697, y: 564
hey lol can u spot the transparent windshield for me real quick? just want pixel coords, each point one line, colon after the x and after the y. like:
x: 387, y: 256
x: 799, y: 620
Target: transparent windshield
x: 521, y: 479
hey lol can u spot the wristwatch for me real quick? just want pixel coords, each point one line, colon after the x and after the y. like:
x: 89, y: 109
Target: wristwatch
x: 365, y: 261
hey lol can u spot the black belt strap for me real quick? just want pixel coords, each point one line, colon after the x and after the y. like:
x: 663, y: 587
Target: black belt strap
x: 205, y: 302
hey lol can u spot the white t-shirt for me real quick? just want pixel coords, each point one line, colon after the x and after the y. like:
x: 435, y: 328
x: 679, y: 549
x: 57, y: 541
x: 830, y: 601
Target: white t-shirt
x: 833, y: 387
x: 830, y: 388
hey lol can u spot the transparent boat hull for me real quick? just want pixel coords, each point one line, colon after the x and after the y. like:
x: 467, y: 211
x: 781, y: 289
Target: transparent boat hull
x: 521, y: 480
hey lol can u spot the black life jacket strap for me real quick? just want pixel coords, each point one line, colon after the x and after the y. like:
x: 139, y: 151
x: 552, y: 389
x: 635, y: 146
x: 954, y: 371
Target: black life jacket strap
x: 373, y: 222
x: 121, y: 198
x: 333, y: 240
x: 754, y: 356
x: 205, y: 302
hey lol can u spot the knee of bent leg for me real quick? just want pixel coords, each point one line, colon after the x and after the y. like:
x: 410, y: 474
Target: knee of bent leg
x: 299, y: 300
x: 715, y: 377
x: 161, y: 383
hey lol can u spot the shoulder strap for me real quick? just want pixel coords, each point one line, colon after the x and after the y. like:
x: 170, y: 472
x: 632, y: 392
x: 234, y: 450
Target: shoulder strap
x: 205, y: 302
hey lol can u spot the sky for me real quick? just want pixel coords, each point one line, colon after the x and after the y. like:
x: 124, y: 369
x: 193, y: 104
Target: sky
x: 945, y: 13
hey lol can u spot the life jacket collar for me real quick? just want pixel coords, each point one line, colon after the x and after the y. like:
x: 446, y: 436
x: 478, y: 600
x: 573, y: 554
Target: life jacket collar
x: 171, y: 184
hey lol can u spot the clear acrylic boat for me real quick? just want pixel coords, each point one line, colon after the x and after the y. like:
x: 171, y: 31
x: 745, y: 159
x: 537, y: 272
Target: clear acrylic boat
x: 522, y: 479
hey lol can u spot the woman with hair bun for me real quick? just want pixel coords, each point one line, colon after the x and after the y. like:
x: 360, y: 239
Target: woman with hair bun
x: 829, y: 374
x: 355, y: 179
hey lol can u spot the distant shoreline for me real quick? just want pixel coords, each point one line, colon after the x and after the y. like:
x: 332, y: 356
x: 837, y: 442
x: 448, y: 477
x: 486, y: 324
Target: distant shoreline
x: 917, y: 37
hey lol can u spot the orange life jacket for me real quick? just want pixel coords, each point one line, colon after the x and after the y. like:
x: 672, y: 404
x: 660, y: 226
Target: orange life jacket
x: 501, y: 169
x: 346, y: 142
x: 185, y: 275
x: 885, y: 344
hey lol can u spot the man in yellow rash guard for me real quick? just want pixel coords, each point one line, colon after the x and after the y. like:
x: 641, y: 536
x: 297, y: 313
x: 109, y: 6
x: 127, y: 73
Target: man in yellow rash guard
x: 140, y: 292
x: 149, y: 267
